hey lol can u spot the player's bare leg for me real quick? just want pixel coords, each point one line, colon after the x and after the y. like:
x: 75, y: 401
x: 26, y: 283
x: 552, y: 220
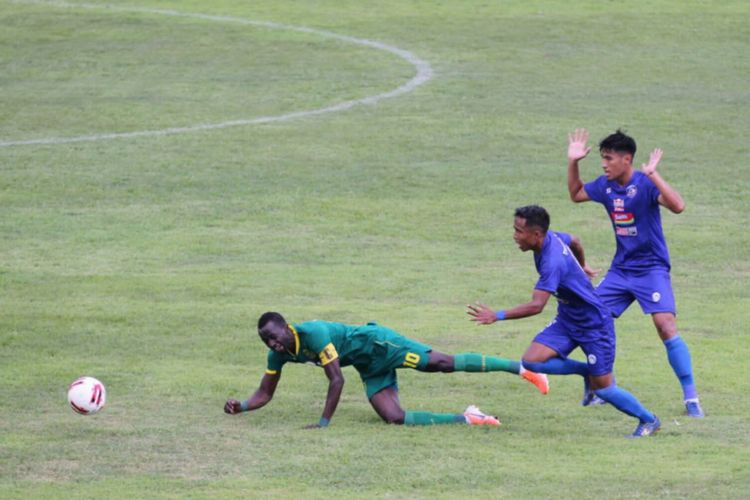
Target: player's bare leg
x: 387, y: 405
x: 666, y: 325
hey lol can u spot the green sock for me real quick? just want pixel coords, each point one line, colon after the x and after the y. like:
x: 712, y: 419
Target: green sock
x: 427, y: 418
x: 473, y: 362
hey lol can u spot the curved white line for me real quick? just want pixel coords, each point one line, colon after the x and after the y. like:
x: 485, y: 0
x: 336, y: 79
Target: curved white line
x: 424, y: 73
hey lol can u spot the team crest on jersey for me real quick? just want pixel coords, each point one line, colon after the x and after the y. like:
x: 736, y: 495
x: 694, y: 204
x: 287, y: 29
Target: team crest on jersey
x: 631, y: 191
x: 609, y: 190
x: 619, y: 204
x: 592, y: 359
x: 656, y: 296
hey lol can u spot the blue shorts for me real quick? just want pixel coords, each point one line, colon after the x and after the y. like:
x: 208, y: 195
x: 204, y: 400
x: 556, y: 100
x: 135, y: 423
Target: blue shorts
x: 599, y: 345
x: 652, y: 289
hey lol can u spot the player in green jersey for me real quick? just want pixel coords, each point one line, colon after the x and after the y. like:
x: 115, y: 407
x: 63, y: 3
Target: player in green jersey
x: 376, y: 353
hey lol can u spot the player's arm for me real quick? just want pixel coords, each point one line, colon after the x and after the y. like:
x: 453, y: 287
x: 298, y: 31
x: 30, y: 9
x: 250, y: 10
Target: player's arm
x: 483, y: 315
x: 335, y: 386
x: 577, y: 150
x: 260, y: 397
x: 668, y: 196
x: 577, y: 248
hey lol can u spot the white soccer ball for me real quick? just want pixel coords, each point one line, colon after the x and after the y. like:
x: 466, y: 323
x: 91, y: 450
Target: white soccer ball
x: 87, y: 395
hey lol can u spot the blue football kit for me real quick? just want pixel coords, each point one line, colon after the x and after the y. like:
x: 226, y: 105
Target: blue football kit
x: 640, y: 267
x: 582, y: 321
x: 582, y: 318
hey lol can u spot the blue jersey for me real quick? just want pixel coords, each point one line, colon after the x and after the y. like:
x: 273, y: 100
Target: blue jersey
x: 578, y: 305
x: 636, y: 219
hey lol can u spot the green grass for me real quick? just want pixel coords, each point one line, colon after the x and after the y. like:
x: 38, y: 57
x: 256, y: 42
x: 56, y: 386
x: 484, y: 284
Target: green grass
x: 145, y: 262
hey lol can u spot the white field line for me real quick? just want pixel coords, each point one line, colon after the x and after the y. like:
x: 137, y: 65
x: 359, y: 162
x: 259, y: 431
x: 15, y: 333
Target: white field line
x: 423, y: 74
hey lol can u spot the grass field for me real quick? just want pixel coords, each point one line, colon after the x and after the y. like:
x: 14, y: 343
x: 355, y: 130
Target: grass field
x: 145, y: 261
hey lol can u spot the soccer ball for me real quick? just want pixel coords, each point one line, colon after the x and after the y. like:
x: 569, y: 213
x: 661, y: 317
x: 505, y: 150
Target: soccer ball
x: 87, y: 395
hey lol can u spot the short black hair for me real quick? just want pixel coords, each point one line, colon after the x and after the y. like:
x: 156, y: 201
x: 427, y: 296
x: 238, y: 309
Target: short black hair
x: 535, y: 216
x: 618, y: 142
x: 270, y: 317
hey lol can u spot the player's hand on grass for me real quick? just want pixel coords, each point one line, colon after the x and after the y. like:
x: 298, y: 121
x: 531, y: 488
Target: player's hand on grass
x: 481, y: 314
x: 653, y: 160
x: 577, y: 149
x: 591, y: 272
x: 232, y: 407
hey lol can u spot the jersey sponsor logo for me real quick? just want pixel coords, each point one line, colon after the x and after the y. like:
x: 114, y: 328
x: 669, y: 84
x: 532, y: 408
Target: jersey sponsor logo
x: 592, y: 359
x: 328, y: 354
x: 624, y: 223
x: 656, y: 296
x: 623, y: 219
x: 631, y: 191
x: 619, y: 204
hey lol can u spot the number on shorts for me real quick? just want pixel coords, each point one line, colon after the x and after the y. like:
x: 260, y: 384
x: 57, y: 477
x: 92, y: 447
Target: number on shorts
x: 411, y: 360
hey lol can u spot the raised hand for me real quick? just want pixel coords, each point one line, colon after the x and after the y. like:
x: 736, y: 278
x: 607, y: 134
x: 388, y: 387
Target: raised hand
x: 577, y: 148
x: 481, y: 314
x: 653, y: 160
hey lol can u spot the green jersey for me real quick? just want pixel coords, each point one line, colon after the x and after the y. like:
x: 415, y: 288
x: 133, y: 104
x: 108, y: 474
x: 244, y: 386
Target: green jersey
x: 369, y: 348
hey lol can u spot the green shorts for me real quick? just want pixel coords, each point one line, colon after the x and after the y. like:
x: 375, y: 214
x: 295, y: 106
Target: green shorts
x: 388, y: 351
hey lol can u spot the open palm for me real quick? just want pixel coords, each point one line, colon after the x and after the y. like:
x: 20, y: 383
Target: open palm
x: 577, y: 148
x: 650, y: 167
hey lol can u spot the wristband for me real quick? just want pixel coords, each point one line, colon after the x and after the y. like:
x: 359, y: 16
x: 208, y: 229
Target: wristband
x: 244, y: 405
x: 323, y: 422
x: 500, y: 315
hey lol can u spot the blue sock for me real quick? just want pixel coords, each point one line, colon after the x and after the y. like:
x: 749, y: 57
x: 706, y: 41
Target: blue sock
x: 625, y: 402
x: 679, y: 357
x: 558, y: 366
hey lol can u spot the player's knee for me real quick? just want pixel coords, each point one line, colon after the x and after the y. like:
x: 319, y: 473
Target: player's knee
x: 445, y: 365
x: 601, y: 382
x: 666, y: 327
x: 439, y: 362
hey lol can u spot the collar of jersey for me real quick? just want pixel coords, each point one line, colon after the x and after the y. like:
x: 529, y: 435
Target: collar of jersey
x: 296, y: 339
x: 632, y: 182
x: 545, y: 242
